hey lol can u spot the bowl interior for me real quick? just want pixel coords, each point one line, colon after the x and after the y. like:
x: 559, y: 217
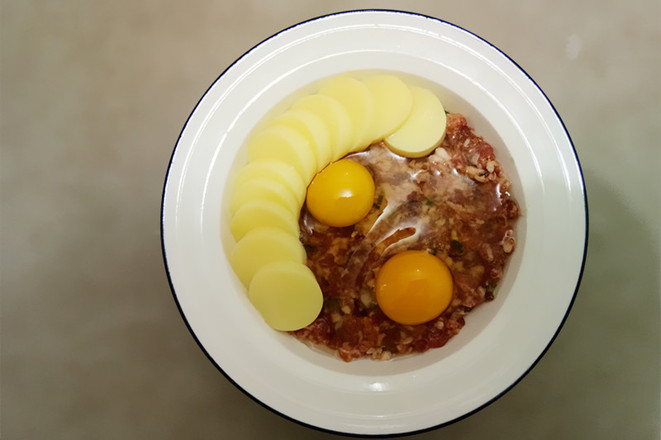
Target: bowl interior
x: 478, y: 319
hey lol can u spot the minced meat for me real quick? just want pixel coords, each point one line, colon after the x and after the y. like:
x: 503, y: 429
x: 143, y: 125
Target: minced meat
x: 454, y: 203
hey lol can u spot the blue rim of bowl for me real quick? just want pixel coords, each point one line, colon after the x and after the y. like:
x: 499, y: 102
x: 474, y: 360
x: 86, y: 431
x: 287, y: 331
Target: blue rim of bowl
x: 440, y: 425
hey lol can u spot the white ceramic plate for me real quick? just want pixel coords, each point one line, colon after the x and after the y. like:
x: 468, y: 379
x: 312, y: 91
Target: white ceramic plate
x: 502, y: 339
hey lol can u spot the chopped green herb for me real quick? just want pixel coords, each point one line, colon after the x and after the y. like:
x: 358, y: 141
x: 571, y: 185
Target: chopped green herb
x: 456, y: 247
x: 378, y: 201
x: 332, y: 304
x: 491, y: 286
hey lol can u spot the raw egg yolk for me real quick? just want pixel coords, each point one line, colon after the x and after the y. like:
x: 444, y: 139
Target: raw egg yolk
x: 413, y: 287
x: 341, y: 194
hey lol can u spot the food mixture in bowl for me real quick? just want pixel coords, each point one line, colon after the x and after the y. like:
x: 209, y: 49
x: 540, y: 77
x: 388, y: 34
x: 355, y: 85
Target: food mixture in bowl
x: 453, y: 203
x: 370, y: 221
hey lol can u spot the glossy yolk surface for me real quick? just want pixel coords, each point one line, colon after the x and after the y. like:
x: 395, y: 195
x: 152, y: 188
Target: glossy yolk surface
x: 341, y: 194
x: 413, y: 287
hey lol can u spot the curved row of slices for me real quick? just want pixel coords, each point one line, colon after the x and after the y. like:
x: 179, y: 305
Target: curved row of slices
x: 345, y: 115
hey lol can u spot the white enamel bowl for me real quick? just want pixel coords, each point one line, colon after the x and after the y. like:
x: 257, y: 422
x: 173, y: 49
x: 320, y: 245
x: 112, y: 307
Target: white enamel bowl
x: 502, y: 339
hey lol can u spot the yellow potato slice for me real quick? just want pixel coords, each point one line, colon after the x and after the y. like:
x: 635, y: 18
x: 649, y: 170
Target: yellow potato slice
x: 286, y: 294
x: 263, y: 189
x: 392, y: 104
x: 312, y: 127
x: 336, y: 119
x: 276, y: 170
x: 356, y: 99
x: 423, y: 130
x: 262, y: 246
x: 285, y: 144
x: 257, y: 213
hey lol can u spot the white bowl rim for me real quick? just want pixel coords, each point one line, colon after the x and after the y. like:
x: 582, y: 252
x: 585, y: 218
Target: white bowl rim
x: 417, y: 430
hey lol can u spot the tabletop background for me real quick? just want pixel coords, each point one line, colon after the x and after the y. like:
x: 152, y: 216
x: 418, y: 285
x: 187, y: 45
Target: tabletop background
x: 94, y: 95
